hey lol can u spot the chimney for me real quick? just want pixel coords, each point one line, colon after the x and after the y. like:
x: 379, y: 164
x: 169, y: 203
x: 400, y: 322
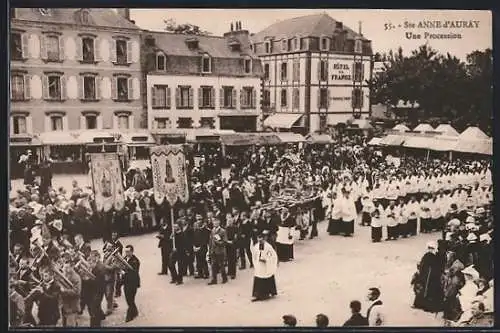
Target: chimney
x: 339, y: 26
x: 360, y: 31
x: 232, y: 27
x: 124, y: 12
x: 239, y: 25
x: 237, y: 31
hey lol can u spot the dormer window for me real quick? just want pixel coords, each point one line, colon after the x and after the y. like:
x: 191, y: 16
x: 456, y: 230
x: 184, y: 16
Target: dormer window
x: 161, y: 62
x: 192, y: 43
x: 206, y: 64
x: 296, y: 43
x: 325, y: 43
x: 284, y: 45
x: 247, y: 64
x: 84, y: 17
x: 358, y: 46
x: 268, y: 46
x: 235, y: 45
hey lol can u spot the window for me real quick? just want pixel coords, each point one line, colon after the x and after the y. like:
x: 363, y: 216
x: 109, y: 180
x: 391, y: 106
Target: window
x: 269, y: 46
x: 323, y: 98
x: 123, y: 121
x: 296, y: 44
x: 184, y: 97
x: 325, y: 44
x: 89, y: 88
x: 295, y: 98
x: 266, y: 72
x: 161, y: 62
x: 296, y: 70
x: 284, y: 70
x: 358, y: 46
x: 17, y: 86
x: 358, y: 72
x: 184, y: 122
x: 284, y: 45
x: 53, y: 87
x: 266, y: 98
x: 323, y: 70
x: 162, y: 123
x: 207, y: 122
x: 161, y: 96
x: 248, y: 65
x: 283, y: 98
x: 247, y: 97
x: 52, y: 47
x: 206, y: 64
x: 357, y: 98
x: 91, y: 122
x: 122, y: 88
x: 18, y: 125
x: 56, y: 123
x: 88, y: 50
x: 121, y: 52
x: 206, y: 98
x: 16, y: 46
x: 84, y: 17
x: 228, y: 97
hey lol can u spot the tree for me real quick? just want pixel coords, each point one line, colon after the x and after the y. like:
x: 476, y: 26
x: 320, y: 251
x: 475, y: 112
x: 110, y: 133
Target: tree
x: 186, y: 28
x: 445, y: 88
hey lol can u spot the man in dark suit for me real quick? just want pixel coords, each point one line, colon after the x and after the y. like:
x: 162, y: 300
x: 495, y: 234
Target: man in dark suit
x: 97, y: 288
x: 187, y: 232
x: 217, y: 252
x: 86, y: 294
x: 177, y: 260
x: 244, y: 240
x: 357, y: 318
x: 131, y: 282
x: 201, y: 238
x: 165, y: 245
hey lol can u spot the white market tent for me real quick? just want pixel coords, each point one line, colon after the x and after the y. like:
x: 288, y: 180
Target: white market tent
x: 473, y: 133
x: 375, y: 142
x: 423, y: 128
x: 401, y: 128
x: 446, y: 129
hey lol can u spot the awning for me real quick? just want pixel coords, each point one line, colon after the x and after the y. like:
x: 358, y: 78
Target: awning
x: 288, y: 137
x: 24, y: 140
x: 446, y: 129
x: 137, y: 138
x: 319, y: 139
x: 375, y: 141
x: 401, y: 128
x: 268, y: 139
x: 97, y: 136
x: 60, y: 138
x: 418, y: 142
x: 141, y: 164
x: 472, y: 134
x: 484, y: 147
x: 443, y: 143
x: 393, y: 140
x: 362, y: 124
x: 239, y: 139
x: 285, y: 120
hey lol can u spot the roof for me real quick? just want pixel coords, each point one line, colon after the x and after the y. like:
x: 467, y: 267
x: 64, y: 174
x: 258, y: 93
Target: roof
x: 401, y: 128
x: 375, y: 141
x: 318, y: 138
x: 315, y: 25
x: 484, y: 147
x: 423, y: 128
x: 392, y: 140
x: 101, y: 17
x: 217, y: 47
x: 418, y: 142
x: 446, y: 129
x: 473, y: 133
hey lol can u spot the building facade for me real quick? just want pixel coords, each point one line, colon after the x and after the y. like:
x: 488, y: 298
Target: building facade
x: 316, y: 73
x: 72, y: 69
x: 201, y: 82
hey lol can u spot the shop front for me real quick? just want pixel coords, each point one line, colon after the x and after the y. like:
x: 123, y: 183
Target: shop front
x: 238, y: 122
x: 19, y: 145
x: 169, y: 136
x: 137, y: 146
x: 65, y: 150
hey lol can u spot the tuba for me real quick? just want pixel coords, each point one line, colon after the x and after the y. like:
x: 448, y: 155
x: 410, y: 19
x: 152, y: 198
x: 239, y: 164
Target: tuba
x: 115, y: 259
x: 82, y: 267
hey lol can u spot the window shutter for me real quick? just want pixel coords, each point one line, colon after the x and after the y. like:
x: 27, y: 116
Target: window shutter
x: 27, y: 87
x: 99, y: 122
x: 221, y: 98
x: 362, y: 99
x: 200, y: 97
x: 97, y: 84
x: 354, y: 72
x: 45, y: 87
x: 65, y: 125
x: 115, y: 121
x: 327, y: 98
x: 154, y: 101
x: 43, y: 47
x: 25, y: 43
x: 353, y: 97
x: 177, y: 97
x: 81, y: 87
x: 79, y: 49
x: 29, y: 124
x: 114, y: 88
x: 191, y: 96
x: 326, y: 70
x: 254, y: 98
x: 61, y: 48
x: 242, y: 99
x: 362, y: 72
x: 130, y: 88
x: 112, y: 51
x: 83, y: 123
x: 212, y: 97
x: 167, y: 94
x: 320, y: 63
x: 63, y: 87
x: 234, y: 92
x: 97, y: 49
x: 131, y: 122
x: 319, y: 98
x: 129, y: 52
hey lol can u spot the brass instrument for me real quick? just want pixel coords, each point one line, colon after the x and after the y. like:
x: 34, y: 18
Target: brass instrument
x: 12, y: 260
x: 82, y: 267
x: 116, y: 259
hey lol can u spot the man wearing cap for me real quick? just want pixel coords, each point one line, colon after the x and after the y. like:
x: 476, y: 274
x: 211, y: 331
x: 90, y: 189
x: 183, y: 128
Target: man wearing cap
x: 265, y: 266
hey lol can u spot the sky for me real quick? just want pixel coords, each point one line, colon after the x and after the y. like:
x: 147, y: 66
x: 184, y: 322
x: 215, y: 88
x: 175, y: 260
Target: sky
x: 385, y: 28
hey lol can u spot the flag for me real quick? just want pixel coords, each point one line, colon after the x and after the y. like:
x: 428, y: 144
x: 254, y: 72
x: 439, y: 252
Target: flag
x: 107, y: 181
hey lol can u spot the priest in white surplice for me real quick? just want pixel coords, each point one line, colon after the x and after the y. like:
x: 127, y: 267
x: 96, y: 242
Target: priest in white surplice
x: 265, y: 261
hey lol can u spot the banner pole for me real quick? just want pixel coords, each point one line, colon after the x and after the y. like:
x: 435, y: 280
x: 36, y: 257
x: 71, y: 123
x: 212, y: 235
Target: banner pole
x: 172, y: 226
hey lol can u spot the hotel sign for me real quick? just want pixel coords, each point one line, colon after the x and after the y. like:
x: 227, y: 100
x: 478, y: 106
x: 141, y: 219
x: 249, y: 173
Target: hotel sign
x: 341, y: 71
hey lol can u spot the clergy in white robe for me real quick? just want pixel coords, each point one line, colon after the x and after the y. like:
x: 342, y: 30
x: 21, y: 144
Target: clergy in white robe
x: 367, y: 210
x: 265, y: 262
x: 376, y: 225
x: 412, y: 213
x: 335, y: 218
x: 392, y: 223
x: 349, y: 214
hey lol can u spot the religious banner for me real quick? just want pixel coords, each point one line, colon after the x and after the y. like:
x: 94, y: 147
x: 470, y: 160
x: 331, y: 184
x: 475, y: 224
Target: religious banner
x: 225, y: 173
x: 169, y: 174
x: 106, y: 172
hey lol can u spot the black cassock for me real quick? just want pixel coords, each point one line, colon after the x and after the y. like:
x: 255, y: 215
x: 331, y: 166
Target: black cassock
x: 429, y: 277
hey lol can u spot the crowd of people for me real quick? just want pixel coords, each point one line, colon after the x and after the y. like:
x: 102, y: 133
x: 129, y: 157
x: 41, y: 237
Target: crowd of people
x: 269, y: 195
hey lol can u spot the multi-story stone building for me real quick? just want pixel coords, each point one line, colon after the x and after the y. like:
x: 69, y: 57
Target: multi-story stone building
x: 201, y: 81
x: 316, y: 73
x: 72, y: 69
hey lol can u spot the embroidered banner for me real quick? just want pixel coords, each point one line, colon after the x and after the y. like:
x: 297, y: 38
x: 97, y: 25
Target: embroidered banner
x: 169, y: 174
x: 107, y: 181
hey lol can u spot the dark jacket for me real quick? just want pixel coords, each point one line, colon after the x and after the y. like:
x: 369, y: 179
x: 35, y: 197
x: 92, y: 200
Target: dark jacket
x: 218, y: 240
x: 132, y: 279
x: 356, y: 319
